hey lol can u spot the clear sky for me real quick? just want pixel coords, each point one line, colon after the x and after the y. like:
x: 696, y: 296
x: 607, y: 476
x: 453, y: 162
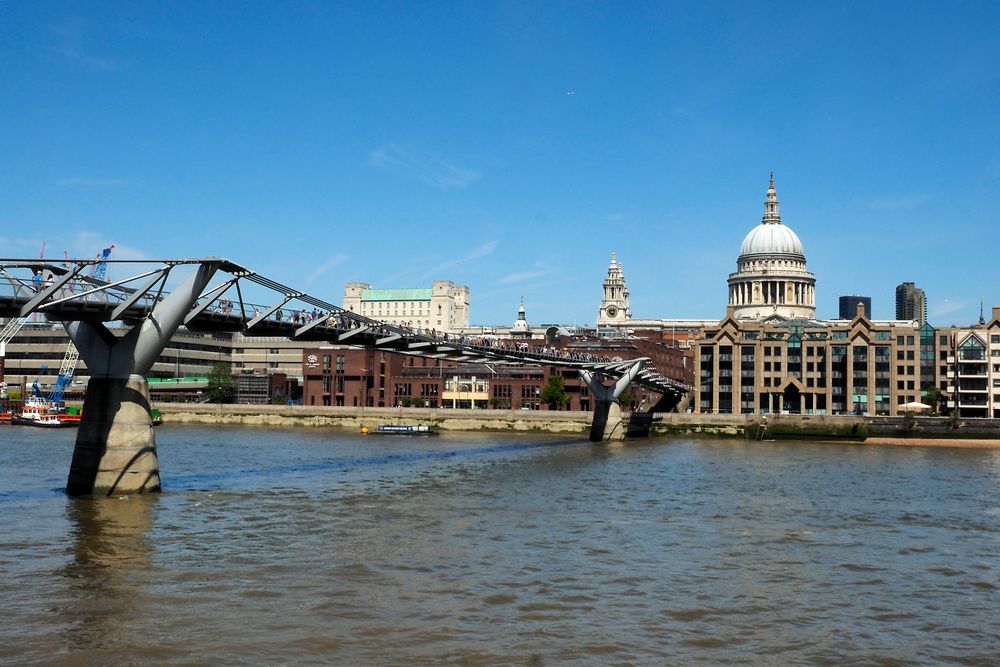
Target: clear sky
x: 512, y: 146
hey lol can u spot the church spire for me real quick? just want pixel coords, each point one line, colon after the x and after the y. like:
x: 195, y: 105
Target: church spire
x: 772, y: 214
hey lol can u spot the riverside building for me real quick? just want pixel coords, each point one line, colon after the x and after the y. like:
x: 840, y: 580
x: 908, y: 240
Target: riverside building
x: 770, y: 353
x: 969, y: 367
x: 443, y: 307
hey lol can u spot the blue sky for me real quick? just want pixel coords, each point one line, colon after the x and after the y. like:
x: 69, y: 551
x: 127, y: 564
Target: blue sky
x: 398, y: 143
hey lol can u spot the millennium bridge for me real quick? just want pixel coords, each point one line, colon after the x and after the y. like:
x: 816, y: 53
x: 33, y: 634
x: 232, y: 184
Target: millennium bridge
x: 115, y: 449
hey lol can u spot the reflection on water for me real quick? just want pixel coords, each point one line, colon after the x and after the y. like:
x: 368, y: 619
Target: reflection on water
x: 288, y: 547
x: 106, y: 576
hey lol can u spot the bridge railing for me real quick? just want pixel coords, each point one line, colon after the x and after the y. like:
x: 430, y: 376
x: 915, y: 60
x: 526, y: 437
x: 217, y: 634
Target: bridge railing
x: 65, y: 291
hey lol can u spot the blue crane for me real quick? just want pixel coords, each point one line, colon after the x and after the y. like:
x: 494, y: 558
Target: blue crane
x: 72, y: 356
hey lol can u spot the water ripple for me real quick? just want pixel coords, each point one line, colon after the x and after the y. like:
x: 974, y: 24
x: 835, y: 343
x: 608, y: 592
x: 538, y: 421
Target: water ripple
x: 284, y: 546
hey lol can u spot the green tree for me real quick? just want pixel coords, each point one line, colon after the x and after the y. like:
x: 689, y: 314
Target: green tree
x: 554, y: 392
x: 626, y: 398
x: 221, y: 388
x: 933, y: 397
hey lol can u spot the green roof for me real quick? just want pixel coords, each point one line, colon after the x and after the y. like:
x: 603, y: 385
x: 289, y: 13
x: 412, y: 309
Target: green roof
x: 415, y: 294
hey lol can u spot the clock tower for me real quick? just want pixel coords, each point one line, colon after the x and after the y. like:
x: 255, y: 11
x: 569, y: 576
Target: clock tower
x: 614, y: 307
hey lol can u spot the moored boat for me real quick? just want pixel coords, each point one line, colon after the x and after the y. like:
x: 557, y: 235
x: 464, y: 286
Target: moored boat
x: 401, y: 429
x: 41, y: 413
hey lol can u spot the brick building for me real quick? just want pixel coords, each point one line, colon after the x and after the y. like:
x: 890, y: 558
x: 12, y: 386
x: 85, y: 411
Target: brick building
x: 355, y: 377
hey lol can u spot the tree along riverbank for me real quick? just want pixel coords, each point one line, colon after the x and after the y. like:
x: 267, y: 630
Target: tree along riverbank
x: 872, y: 430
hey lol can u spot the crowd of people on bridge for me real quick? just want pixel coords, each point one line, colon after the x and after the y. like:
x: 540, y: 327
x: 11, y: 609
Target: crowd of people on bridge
x: 343, y: 321
x: 346, y: 321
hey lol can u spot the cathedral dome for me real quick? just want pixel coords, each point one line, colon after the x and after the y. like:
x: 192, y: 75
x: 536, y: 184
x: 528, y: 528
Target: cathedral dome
x: 769, y: 238
x: 771, y: 276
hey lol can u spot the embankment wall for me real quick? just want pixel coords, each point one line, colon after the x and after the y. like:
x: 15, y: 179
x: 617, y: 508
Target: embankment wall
x: 754, y: 427
x: 352, y: 418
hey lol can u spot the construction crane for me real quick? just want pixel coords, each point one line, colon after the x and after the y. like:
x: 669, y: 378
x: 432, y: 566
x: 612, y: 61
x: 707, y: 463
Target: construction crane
x: 72, y: 356
x: 10, y: 330
x: 101, y: 268
x: 65, y: 376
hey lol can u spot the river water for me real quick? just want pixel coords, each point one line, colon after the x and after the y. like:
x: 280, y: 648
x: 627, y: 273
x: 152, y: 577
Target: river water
x: 283, y: 546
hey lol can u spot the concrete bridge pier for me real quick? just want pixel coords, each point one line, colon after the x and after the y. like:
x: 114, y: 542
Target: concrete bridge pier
x: 115, y: 449
x: 608, y: 424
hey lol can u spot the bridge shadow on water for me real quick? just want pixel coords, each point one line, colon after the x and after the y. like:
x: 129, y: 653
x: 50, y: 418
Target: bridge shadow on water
x: 202, y: 481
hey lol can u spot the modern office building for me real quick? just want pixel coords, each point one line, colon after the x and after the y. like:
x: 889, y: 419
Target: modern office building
x: 268, y: 355
x: 849, y: 306
x: 969, y: 368
x: 911, y: 303
x: 809, y: 367
x: 443, y: 307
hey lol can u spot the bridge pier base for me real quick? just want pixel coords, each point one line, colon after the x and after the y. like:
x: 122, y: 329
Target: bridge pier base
x: 115, y: 447
x: 608, y: 425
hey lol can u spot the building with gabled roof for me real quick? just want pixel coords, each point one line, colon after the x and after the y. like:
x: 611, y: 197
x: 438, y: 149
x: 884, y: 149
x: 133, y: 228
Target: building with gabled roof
x: 776, y: 365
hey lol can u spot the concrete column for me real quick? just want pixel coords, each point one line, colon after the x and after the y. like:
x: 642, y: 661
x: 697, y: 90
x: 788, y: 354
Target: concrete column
x: 115, y: 447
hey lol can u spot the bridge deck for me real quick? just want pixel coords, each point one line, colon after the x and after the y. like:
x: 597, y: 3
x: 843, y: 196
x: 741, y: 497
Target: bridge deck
x: 64, y: 293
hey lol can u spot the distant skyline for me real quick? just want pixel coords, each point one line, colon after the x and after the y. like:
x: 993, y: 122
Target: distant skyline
x: 511, y: 147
